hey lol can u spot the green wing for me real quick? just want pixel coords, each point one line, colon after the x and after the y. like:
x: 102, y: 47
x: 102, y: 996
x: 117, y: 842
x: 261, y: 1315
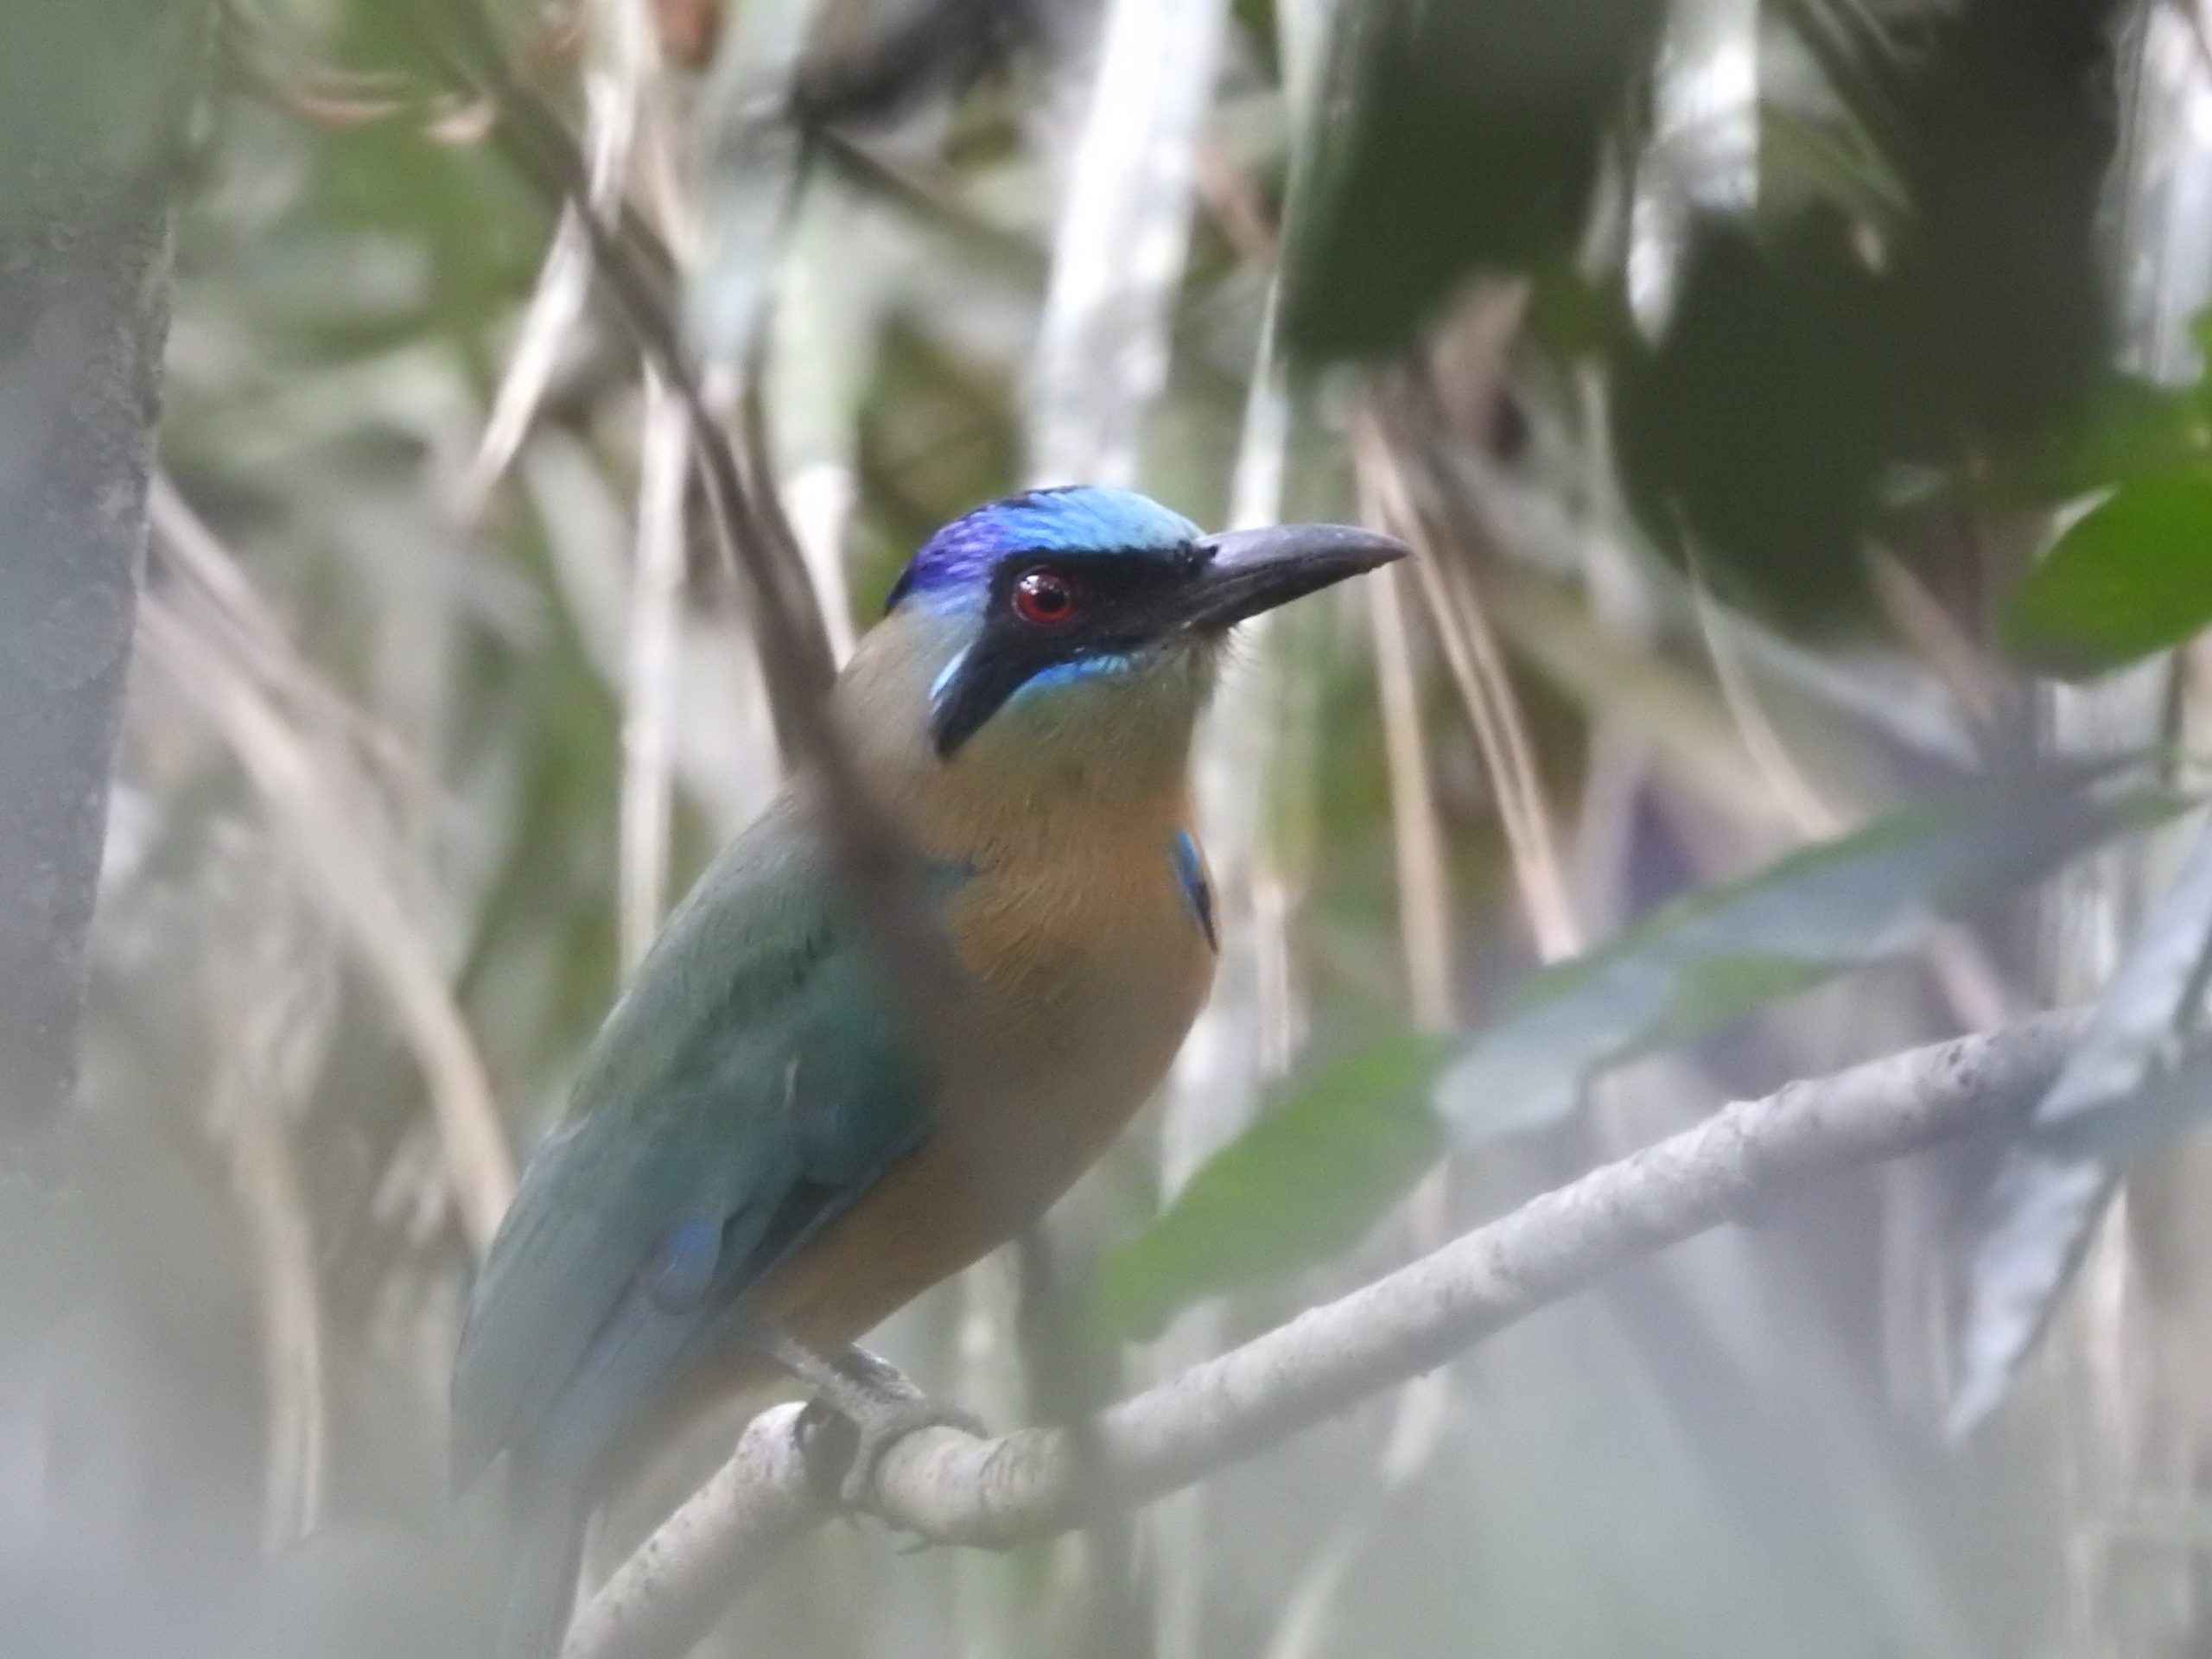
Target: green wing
x: 749, y: 1086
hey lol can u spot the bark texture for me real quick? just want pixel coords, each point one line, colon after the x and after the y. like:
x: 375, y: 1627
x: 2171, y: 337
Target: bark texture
x: 93, y: 96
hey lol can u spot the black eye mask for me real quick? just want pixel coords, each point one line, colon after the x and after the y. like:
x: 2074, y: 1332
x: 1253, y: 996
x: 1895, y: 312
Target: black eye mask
x: 1124, y: 601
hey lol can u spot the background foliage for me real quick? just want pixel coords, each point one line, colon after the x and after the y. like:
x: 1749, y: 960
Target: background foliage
x: 1773, y: 390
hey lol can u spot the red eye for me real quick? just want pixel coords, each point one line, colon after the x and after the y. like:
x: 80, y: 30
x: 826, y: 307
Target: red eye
x: 1045, y: 597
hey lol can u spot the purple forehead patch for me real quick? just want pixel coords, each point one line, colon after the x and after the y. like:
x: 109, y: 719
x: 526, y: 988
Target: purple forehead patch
x: 1080, y: 520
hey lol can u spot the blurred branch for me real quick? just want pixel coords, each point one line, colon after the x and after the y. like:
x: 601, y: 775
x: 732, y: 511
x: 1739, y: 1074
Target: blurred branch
x: 267, y: 1174
x: 951, y: 1487
x: 1478, y: 669
x: 1769, y: 754
x: 939, y: 49
x: 1119, y: 247
x: 1424, y: 874
x: 613, y: 92
x: 932, y: 199
x: 649, y: 695
x: 757, y: 544
x: 95, y: 96
x: 205, y: 628
x: 281, y: 1012
x: 1643, y: 691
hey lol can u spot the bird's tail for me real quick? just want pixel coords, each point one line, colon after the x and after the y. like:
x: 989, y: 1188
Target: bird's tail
x: 542, y: 1580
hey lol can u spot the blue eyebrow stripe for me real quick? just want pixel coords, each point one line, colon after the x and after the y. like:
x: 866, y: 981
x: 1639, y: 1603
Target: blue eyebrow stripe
x: 1191, y: 876
x: 956, y: 562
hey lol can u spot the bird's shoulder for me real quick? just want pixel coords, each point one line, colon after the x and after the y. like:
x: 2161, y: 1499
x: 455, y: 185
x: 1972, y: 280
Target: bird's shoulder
x: 741, y: 948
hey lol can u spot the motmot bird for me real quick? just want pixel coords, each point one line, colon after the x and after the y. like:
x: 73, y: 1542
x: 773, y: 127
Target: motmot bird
x: 756, y: 1169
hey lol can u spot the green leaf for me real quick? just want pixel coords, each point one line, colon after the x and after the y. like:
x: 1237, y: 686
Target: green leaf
x: 2129, y: 1088
x: 2128, y: 429
x: 1311, y: 1176
x: 2200, y: 331
x: 2132, y: 576
x: 1435, y: 154
x: 1298, y: 1187
x: 1716, y: 955
x: 1572, y: 317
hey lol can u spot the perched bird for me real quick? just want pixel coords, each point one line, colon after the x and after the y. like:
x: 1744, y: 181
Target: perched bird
x: 754, y: 1172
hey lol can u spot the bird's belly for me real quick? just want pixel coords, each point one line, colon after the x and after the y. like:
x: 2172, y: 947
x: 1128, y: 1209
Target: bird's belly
x: 1086, y: 1032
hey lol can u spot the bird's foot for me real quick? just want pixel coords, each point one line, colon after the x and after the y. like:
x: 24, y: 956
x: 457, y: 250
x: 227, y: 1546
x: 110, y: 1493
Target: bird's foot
x: 878, y: 1433
x: 868, y: 1397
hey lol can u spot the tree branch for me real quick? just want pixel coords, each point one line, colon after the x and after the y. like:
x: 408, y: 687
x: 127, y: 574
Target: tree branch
x: 953, y: 1488
x: 92, y: 99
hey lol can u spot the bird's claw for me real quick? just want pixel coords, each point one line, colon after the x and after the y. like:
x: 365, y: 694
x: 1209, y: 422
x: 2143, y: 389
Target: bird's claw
x: 881, y: 1430
x: 874, y: 1401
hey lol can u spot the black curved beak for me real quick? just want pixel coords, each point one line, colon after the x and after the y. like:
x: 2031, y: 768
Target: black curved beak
x: 1249, y: 571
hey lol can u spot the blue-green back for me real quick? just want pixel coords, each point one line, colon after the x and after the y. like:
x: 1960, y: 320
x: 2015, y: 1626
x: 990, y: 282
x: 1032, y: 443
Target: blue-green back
x: 748, y: 1086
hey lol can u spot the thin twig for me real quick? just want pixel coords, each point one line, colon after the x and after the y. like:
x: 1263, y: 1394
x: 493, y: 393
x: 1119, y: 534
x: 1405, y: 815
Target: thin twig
x: 954, y: 1488
x: 275, y: 1030
x: 650, y: 691
x: 613, y: 95
x: 1424, y: 879
x: 310, y: 784
x: 1478, y: 670
x: 1755, y: 729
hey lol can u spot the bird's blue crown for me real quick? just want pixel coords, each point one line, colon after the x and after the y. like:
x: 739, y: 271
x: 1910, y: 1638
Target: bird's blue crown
x: 954, y: 565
